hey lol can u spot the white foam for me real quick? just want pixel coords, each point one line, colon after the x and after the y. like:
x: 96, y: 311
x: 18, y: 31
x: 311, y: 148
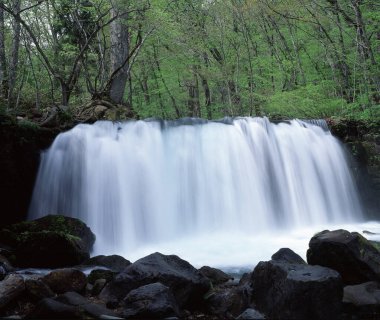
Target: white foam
x: 213, y: 193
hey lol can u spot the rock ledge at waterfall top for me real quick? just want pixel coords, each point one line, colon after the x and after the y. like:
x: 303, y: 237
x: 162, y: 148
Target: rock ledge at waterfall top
x: 49, y: 242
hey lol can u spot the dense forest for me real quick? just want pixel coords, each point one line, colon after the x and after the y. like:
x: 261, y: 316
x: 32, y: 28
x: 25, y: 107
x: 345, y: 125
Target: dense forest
x: 198, y: 58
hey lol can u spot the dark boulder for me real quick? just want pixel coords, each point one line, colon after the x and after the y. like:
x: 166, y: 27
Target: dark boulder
x: 353, y: 256
x: 100, y: 274
x: 187, y: 283
x: 38, y: 290
x: 49, y: 242
x: 152, y: 301
x: 113, y: 262
x: 98, y: 286
x: 72, y: 298
x: 287, y: 255
x: 251, y: 314
x: 85, y: 306
x: 11, y: 288
x: 5, y: 267
x: 364, y: 294
x: 284, y: 290
x: 50, y: 309
x: 228, y: 301
x: 63, y: 280
x: 3, y: 272
x: 216, y: 276
x: 362, y: 301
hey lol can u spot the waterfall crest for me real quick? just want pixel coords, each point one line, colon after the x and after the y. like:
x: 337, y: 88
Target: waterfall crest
x: 142, y: 182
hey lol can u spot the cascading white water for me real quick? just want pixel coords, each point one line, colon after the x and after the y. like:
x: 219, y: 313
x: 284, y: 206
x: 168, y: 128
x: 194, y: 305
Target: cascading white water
x: 142, y: 183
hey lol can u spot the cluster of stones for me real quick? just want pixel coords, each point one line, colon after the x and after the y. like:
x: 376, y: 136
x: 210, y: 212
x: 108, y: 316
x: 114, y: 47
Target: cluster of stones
x: 339, y: 281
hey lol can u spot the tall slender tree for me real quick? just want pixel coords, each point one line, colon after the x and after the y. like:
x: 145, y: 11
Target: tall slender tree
x: 3, y: 59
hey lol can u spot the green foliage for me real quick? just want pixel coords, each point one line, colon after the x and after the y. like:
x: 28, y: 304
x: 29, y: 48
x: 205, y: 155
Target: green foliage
x: 310, y: 101
x: 209, y: 58
x: 28, y: 125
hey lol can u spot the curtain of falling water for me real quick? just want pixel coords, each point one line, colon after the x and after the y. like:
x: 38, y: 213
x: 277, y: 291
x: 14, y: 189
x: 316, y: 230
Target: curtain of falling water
x: 142, y: 182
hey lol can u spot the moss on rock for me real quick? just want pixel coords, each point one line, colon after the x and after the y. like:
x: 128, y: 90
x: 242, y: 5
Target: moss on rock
x: 52, y: 241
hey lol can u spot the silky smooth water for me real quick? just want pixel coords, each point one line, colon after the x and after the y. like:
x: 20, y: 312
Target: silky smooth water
x: 196, y: 186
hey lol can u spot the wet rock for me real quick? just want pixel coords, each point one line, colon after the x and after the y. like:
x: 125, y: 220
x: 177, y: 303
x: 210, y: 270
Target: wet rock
x: 38, y: 289
x: 364, y: 294
x: 362, y: 301
x: 84, y: 305
x: 98, y: 311
x: 113, y: 262
x: 72, y: 298
x: 3, y: 272
x: 100, y: 274
x: 10, y: 289
x: 150, y: 301
x: 63, y: 280
x: 216, y: 276
x: 353, y: 256
x: 49, y: 242
x: 50, y: 309
x: 98, y: 286
x: 5, y: 264
x: 287, y: 255
x: 296, y: 291
x: 187, y: 283
x: 227, y: 302
x: 250, y: 314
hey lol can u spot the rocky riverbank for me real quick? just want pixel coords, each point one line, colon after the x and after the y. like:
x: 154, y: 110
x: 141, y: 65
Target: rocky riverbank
x: 340, y: 280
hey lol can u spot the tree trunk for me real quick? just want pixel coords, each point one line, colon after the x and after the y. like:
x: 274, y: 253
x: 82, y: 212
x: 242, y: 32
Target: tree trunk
x: 157, y: 63
x: 14, y: 55
x: 3, y: 60
x: 65, y: 92
x: 119, y: 53
x: 206, y: 88
x: 193, y: 101
x: 364, y: 46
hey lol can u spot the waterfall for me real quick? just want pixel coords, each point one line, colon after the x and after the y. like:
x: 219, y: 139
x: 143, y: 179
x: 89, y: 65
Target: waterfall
x: 140, y: 183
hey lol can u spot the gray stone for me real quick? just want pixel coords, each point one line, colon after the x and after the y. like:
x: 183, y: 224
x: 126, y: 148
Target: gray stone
x: 187, y: 283
x: 150, y: 301
x: 72, y: 298
x: 364, y: 294
x: 38, y: 289
x: 216, y: 276
x: 50, y: 309
x: 296, y: 291
x: 85, y: 306
x: 11, y: 288
x: 96, y: 274
x: 113, y: 262
x: 353, y: 256
x: 227, y: 302
x: 250, y: 314
x: 287, y: 255
x: 64, y: 280
x: 98, y: 286
x: 97, y: 311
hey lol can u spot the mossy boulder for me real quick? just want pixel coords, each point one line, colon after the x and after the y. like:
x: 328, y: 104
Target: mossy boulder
x: 66, y: 280
x: 97, y: 274
x: 49, y: 242
x: 349, y: 253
